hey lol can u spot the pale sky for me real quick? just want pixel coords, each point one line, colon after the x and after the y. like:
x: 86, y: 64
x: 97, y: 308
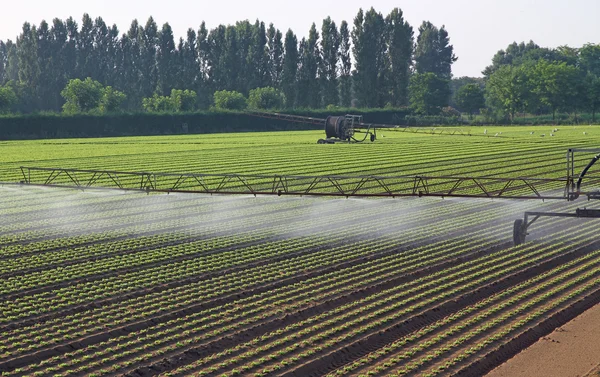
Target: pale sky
x: 477, y: 28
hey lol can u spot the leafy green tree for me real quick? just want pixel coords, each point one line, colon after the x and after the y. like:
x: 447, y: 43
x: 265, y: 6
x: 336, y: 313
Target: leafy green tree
x: 82, y: 96
x: 265, y: 98
x: 230, y: 100
x: 290, y: 69
x: 508, y: 91
x: 111, y: 100
x: 345, y: 66
x: 8, y: 98
x: 470, y: 98
x: 328, y: 67
x: 184, y: 100
x: 434, y: 53
x: 555, y: 84
x: 592, y: 94
x: 400, y: 50
x: 589, y: 57
x: 513, y: 53
x: 428, y: 93
x: 159, y: 104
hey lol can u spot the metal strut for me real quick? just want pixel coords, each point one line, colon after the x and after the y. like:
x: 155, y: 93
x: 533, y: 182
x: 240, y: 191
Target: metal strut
x: 572, y: 192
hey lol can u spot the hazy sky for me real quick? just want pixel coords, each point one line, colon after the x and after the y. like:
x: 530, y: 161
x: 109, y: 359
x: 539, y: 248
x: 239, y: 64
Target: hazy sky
x: 477, y: 28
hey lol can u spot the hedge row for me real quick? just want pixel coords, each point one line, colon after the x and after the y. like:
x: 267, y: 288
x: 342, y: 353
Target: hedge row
x: 44, y: 126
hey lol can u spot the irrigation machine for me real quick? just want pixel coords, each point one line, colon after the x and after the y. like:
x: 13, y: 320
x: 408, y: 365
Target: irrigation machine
x: 345, y: 128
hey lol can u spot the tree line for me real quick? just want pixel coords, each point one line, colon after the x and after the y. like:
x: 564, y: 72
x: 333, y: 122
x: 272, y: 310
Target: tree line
x: 371, y: 63
x: 527, y: 78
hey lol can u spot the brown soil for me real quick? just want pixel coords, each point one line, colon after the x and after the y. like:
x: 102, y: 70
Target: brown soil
x: 571, y: 350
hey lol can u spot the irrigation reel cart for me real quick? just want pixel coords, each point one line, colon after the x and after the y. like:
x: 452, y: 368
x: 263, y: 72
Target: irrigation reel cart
x: 341, y: 129
x: 573, y: 191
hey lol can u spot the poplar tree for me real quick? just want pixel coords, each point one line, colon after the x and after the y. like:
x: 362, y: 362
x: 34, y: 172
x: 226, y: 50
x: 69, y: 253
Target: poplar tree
x: 275, y: 54
x: 345, y: 66
x: 290, y: 69
x: 165, y: 59
x: 400, y: 51
x: 434, y: 53
x: 328, y: 67
x: 369, y: 50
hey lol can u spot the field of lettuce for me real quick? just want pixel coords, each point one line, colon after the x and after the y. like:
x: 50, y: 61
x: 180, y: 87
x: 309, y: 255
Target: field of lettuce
x: 109, y: 283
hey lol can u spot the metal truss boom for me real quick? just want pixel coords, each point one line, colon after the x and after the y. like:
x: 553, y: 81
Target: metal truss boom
x: 328, y: 185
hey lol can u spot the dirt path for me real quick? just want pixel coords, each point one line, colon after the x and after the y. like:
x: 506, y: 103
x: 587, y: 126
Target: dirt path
x: 571, y: 350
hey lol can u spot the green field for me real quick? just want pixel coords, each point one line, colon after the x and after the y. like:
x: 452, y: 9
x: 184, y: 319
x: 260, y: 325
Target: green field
x: 106, y: 282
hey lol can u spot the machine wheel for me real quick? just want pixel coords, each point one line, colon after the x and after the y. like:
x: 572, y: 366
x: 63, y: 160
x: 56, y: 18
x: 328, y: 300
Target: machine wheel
x: 519, y: 232
x: 321, y: 141
x: 372, y: 138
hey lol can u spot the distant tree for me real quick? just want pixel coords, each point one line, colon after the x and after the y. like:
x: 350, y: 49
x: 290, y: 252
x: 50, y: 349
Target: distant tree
x: 275, y: 53
x: 148, y: 40
x: 345, y: 66
x: 257, y: 58
x: 111, y: 100
x: 369, y: 48
x: 592, y: 90
x: 3, y: 62
x: 508, y: 91
x: 400, y: 50
x: 8, y: 99
x: 309, y: 93
x: 159, y: 104
x: 29, y: 65
x: 230, y: 100
x: 512, y: 54
x: 230, y: 63
x: 265, y: 98
x: 428, y: 93
x: 184, y: 100
x: 434, y: 53
x: 328, y: 67
x: 11, y: 72
x: 82, y: 96
x: 555, y: 84
x: 470, y: 99
x: 589, y: 57
x: 85, y: 48
x: 290, y: 69
x: 165, y: 59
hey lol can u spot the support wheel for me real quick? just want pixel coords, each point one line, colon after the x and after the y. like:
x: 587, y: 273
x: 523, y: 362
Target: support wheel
x: 519, y: 232
x: 372, y: 138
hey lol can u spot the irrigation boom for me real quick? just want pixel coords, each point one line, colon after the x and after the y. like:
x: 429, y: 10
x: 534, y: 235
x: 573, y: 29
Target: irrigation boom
x: 520, y: 188
x: 280, y: 185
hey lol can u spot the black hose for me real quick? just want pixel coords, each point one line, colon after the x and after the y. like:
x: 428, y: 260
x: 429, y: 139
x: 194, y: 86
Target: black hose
x: 582, y: 175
